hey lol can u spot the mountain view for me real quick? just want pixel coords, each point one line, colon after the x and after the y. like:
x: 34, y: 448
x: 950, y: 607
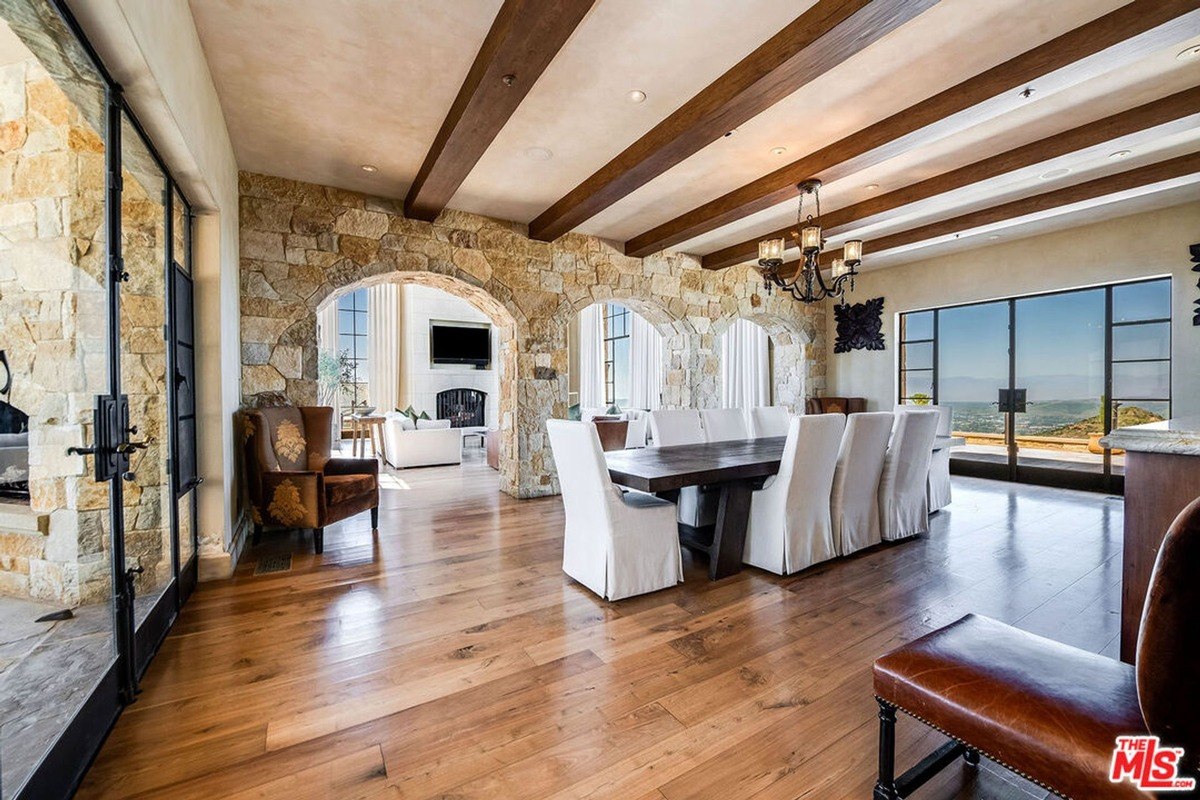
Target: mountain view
x: 1076, y: 419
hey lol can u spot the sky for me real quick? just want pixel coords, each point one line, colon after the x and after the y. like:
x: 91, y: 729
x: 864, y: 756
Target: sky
x: 1059, y: 345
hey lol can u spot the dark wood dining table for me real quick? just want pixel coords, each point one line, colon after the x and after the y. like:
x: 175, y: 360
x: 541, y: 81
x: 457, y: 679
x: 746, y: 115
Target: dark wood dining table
x: 736, y: 468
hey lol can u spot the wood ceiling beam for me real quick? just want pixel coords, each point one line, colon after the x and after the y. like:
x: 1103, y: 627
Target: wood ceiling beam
x: 1183, y: 106
x: 1132, y: 31
x: 523, y: 40
x: 812, y: 44
x: 1132, y: 179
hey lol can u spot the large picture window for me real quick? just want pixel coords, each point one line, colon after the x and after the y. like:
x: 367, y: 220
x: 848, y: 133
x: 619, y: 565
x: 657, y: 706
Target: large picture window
x: 616, y: 355
x: 352, y: 346
x: 1035, y: 382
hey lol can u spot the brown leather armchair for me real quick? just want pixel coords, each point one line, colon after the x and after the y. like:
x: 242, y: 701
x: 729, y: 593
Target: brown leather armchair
x: 293, y: 481
x: 1046, y: 710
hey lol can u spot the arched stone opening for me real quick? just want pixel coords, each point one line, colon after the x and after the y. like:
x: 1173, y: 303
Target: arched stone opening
x: 507, y: 332
x: 790, y: 344
x: 678, y: 340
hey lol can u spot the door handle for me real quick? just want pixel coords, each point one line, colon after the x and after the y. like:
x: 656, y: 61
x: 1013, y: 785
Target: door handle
x: 128, y: 448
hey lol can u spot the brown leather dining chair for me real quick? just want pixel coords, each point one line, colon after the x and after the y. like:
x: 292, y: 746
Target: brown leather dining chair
x: 1048, y: 711
x: 292, y: 479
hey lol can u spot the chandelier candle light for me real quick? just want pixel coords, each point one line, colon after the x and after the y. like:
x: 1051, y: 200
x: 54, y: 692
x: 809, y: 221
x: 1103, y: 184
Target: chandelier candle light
x: 807, y: 284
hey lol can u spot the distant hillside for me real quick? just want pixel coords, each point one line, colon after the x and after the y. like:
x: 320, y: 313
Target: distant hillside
x: 1127, y: 415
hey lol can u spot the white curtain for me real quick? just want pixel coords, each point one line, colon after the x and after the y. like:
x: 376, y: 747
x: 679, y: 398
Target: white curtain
x: 383, y: 346
x: 591, y: 357
x: 645, y: 364
x: 745, y: 367
x: 327, y: 339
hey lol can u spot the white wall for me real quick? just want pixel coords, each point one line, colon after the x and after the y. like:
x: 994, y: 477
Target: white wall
x: 152, y: 49
x: 1139, y: 246
x: 422, y: 381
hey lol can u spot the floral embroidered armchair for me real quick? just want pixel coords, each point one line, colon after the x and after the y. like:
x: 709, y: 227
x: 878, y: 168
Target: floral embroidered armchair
x: 293, y: 481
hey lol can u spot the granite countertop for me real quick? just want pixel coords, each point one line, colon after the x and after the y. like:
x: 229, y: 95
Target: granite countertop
x: 1180, y: 436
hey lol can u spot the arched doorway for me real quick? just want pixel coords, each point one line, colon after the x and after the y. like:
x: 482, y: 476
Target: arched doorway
x: 788, y: 345
x: 503, y: 394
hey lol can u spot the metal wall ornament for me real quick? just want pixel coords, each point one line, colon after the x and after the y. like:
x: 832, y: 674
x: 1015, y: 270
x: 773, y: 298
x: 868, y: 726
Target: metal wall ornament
x: 1194, y: 249
x: 859, y: 326
x: 807, y: 284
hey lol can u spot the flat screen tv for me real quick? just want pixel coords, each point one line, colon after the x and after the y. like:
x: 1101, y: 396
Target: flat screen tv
x: 460, y: 344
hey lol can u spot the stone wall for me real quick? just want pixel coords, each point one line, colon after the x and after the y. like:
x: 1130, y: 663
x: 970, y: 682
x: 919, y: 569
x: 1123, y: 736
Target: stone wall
x: 52, y: 327
x: 300, y: 243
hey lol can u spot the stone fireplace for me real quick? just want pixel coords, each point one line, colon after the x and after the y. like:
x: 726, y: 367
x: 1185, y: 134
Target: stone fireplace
x: 465, y: 408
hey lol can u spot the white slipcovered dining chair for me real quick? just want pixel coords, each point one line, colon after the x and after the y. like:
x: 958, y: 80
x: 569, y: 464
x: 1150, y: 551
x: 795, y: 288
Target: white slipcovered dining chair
x: 854, y: 501
x: 790, y: 524
x: 676, y: 426
x: 903, y: 484
x: 767, y: 421
x: 939, y: 461
x: 618, y: 545
x: 635, y: 432
x: 672, y: 427
x: 724, y: 424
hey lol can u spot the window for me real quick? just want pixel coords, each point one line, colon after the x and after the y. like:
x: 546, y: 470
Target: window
x: 352, y: 346
x: 1141, y: 352
x: 616, y: 355
x: 1035, y: 382
x: 918, y: 354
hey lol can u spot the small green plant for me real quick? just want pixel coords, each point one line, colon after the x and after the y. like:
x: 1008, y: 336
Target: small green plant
x: 332, y: 372
x: 920, y: 399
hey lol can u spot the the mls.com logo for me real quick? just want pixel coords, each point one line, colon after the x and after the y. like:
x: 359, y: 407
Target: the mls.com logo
x: 1143, y: 760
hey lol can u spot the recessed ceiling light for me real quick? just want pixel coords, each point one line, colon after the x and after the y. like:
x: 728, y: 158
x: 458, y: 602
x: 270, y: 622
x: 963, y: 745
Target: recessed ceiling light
x: 872, y: 187
x: 636, y: 96
x: 370, y: 168
x: 778, y: 151
x: 538, y: 154
x: 1190, y: 52
x: 1120, y: 154
x: 1054, y: 173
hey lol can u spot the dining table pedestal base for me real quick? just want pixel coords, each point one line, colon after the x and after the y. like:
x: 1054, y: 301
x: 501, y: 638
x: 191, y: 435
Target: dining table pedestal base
x: 724, y: 542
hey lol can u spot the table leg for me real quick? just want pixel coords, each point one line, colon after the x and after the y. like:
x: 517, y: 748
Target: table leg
x: 382, y: 443
x: 729, y: 540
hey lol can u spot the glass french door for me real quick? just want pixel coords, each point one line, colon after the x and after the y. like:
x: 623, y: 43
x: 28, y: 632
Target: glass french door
x: 97, y: 419
x: 1036, y: 382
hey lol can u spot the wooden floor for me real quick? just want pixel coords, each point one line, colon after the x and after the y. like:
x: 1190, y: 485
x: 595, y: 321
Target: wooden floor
x: 449, y: 657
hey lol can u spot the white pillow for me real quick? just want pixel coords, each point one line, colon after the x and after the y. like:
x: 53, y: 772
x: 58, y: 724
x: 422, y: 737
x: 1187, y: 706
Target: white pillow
x: 432, y: 424
x: 406, y: 423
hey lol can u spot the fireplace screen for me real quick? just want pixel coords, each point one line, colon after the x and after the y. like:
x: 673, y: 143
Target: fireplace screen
x: 463, y: 407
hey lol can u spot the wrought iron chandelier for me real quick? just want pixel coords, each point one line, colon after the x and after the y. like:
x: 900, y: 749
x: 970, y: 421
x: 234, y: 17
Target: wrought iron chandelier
x: 807, y: 284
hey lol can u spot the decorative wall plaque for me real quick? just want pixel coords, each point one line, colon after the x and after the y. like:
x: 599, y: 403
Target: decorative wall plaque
x: 859, y: 326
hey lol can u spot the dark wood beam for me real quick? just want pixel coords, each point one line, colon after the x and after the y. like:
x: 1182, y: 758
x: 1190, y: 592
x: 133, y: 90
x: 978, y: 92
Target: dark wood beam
x: 1129, y: 180
x: 812, y: 44
x: 1180, y: 107
x: 1132, y: 31
x: 523, y: 40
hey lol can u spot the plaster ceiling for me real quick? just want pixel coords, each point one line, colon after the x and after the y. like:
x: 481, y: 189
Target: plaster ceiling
x: 314, y: 89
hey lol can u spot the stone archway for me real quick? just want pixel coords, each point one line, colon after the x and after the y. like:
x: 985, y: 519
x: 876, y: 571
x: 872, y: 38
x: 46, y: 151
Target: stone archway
x: 790, y: 343
x: 678, y: 334
x: 506, y: 328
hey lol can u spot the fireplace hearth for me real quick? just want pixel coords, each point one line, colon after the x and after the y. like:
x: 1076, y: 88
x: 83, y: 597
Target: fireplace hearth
x: 463, y: 407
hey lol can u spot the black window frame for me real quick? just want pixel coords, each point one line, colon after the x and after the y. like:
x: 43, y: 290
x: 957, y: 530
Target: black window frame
x: 613, y: 312
x: 359, y: 345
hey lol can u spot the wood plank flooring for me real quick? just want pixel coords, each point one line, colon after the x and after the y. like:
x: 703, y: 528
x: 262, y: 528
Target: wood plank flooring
x: 449, y: 657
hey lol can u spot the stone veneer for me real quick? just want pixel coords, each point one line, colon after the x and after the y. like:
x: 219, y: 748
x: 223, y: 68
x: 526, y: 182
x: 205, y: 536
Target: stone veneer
x: 302, y: 243
x: 52, y: 327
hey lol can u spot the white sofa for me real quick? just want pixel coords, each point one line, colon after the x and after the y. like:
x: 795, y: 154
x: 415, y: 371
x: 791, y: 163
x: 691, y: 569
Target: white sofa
x: 428, y: 443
